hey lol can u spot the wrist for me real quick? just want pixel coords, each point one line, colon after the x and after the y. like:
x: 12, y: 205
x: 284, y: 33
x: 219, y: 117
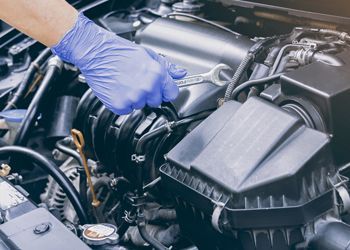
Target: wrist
x: 79, y: 42
x: 60, y: 27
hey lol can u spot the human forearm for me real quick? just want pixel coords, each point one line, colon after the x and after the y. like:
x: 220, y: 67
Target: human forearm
x: 44, y: 20
x: 122, y: 74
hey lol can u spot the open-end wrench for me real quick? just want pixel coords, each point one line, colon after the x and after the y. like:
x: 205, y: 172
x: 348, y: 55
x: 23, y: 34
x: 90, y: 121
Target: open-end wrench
x: 213, y: 76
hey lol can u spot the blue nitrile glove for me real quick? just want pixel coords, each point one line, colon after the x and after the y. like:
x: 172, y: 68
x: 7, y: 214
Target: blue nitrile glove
x: 123, y: 75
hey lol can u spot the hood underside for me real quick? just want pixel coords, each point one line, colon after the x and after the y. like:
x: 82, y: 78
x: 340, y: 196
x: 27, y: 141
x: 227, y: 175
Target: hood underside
x: 337, y: 11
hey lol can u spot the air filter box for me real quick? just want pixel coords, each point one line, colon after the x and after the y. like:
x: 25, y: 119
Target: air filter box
x: 251, y: 166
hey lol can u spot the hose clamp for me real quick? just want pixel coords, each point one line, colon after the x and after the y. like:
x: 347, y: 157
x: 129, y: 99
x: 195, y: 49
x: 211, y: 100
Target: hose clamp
x: 56, y: 62
x: 343, y: 36
x: 138, y: 158
x: 129, y: 217
x: 345, y: 197
x: 215, y: 217
x: 169, y: 126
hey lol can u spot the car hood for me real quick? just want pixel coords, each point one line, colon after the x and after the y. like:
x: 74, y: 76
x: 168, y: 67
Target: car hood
x: 335, y: 11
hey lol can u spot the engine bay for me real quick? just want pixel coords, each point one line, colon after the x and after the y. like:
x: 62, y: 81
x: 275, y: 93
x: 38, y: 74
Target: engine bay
x: 260, y: 162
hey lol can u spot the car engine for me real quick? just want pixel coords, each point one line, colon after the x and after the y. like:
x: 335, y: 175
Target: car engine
x: 260, y: 162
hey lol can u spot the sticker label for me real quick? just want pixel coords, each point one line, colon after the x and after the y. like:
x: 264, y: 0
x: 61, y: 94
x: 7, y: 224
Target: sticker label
x: 9, y: 196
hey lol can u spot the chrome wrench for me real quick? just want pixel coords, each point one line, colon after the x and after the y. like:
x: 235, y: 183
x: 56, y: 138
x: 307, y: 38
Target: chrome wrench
x: 213, y: 76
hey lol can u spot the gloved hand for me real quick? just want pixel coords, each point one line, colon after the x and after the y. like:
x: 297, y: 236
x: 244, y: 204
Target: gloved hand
x: 123, y: 75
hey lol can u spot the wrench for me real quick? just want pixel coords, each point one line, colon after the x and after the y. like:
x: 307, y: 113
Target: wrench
x: 212, y: 76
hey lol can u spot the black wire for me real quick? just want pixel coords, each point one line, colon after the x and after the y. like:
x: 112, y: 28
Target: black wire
x: 251, y: 83
x: 27, y: 79
x: 82, y: 175
x: 51, y: 169
x: 242, y: 68
x: 204, y: 21
x: 139, y: 150
x: 68, y: 151
x: 141, y: 225
x: 33, y: 109
x: 166, y: 128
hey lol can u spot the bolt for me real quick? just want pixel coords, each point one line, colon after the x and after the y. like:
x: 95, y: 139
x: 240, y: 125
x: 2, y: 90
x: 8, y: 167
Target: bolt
x: 42, y: 228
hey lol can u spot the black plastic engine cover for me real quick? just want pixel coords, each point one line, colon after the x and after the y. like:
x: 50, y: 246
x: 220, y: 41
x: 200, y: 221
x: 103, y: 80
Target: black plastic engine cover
x: 111, y: 138
x: 256, y: 161
x: 197, y: 47
x: 25, y: 226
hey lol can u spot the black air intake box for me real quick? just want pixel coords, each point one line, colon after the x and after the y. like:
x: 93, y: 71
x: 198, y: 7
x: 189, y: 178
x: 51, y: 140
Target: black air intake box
x: 327, y: 88
x: 251, y: 166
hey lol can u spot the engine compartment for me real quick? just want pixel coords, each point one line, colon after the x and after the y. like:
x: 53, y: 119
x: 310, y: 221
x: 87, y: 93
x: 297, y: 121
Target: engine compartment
x: 260, y: 163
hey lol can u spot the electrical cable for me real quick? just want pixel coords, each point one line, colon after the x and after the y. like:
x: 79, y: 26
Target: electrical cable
x: 68, y: 151
x: 242, y: 68
x: 251, y: 83
x: 54, y: 68
x: 203, y: 20
x: 27, y: 79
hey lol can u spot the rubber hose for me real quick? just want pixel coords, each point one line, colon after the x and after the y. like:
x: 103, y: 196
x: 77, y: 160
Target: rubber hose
x: 251, y: 83
x: 341, y: 35
x: 68, y: 151
x: 148, y: 238
x: 82, y: 175
x: 166, y: 128
x: 139, y: 149
x: 327, y: 59
x: 242, y: 68
x: 52, y: 170
x: 54, y: 68
x: 82, y: 185
x: 123, y: 227
x: 331, y: 235
x: 27, y: 79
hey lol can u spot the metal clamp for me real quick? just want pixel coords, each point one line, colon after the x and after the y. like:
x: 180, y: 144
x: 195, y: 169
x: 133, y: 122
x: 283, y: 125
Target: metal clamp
x: 55, y: 62
x: 343, y: 36
x: 216, y: 215
x: 129, y: 217
x: 169, y: 126
x: 138, y: 158
x: 345, y: 197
